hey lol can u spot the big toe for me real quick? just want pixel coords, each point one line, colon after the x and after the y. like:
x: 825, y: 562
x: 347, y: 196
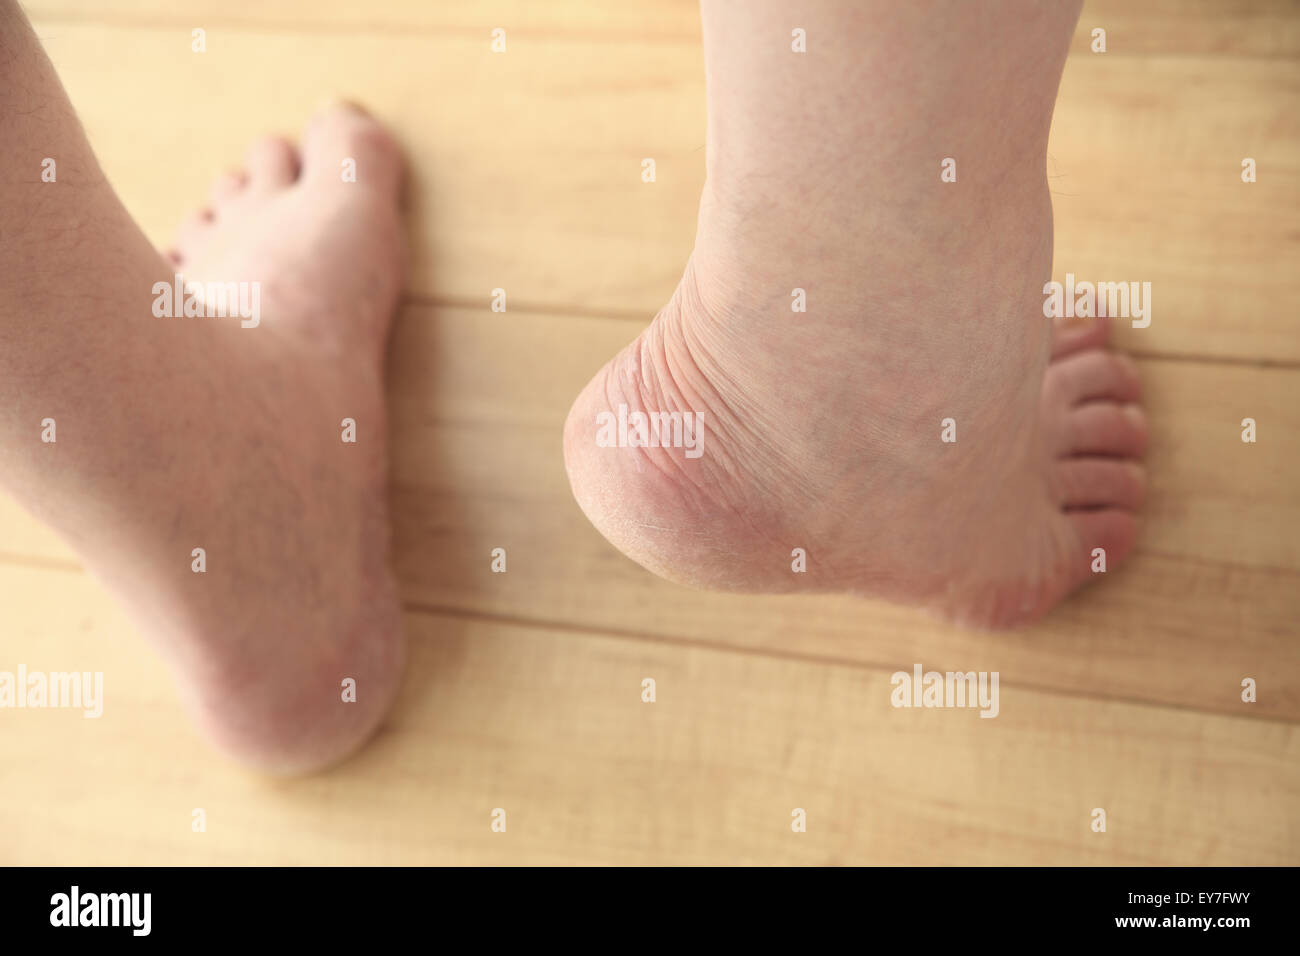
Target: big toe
x: 346, y: 144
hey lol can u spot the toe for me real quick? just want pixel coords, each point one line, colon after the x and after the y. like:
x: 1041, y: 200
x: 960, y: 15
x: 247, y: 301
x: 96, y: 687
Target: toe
x: 272, y: 163
x: 345, y: 144
x: 1100, y: 483
x: 228, y: 186
x: 1104, y: 428
x: 1075, y: 334
x: 1092, y: 375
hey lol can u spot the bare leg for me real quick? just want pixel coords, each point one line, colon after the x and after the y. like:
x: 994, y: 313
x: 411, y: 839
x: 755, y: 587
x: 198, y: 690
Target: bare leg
x: 824, y: 429
x: 175, y: 434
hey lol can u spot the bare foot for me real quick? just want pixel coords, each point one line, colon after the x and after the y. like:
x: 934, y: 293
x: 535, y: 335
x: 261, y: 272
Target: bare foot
x: 201, y: 467
x: 319, y: 244
x: 822, y: 431
x: 297, y: 598
x: 850, y: 293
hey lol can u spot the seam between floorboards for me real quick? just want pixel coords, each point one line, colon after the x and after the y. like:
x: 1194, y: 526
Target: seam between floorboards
x: 1213, y: 359
x: 586, y: 630
x: 645, y: 317
x: 17, y: 559
x: 559, y: 312
x: 434, y: 610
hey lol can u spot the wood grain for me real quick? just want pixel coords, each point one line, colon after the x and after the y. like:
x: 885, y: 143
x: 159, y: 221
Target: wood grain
x: 1212, y: 596
x: 549, y: 725
x: 1213, y: 589
x: 526, y: 170
x: 523, y: 690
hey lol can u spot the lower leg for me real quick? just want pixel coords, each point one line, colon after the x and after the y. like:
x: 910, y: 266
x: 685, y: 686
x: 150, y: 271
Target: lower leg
x: 924, y: 303
x: 173, y: 434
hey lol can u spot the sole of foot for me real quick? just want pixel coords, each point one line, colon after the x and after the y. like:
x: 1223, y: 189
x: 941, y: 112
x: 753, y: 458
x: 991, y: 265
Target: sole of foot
x: 289, y: 646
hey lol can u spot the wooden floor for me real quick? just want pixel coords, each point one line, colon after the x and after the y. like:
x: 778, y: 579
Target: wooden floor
x: 524, y: 688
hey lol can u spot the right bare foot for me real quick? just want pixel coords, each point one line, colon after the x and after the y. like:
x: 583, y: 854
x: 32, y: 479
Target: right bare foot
x: 924, y: 302
x: 815, y: 437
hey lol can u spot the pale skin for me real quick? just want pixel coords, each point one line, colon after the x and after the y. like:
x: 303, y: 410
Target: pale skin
x: 924, y: 303
x: 175, y: 433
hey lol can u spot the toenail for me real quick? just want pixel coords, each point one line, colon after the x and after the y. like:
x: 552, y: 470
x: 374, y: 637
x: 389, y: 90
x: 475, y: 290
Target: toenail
x: 1134, y: 414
